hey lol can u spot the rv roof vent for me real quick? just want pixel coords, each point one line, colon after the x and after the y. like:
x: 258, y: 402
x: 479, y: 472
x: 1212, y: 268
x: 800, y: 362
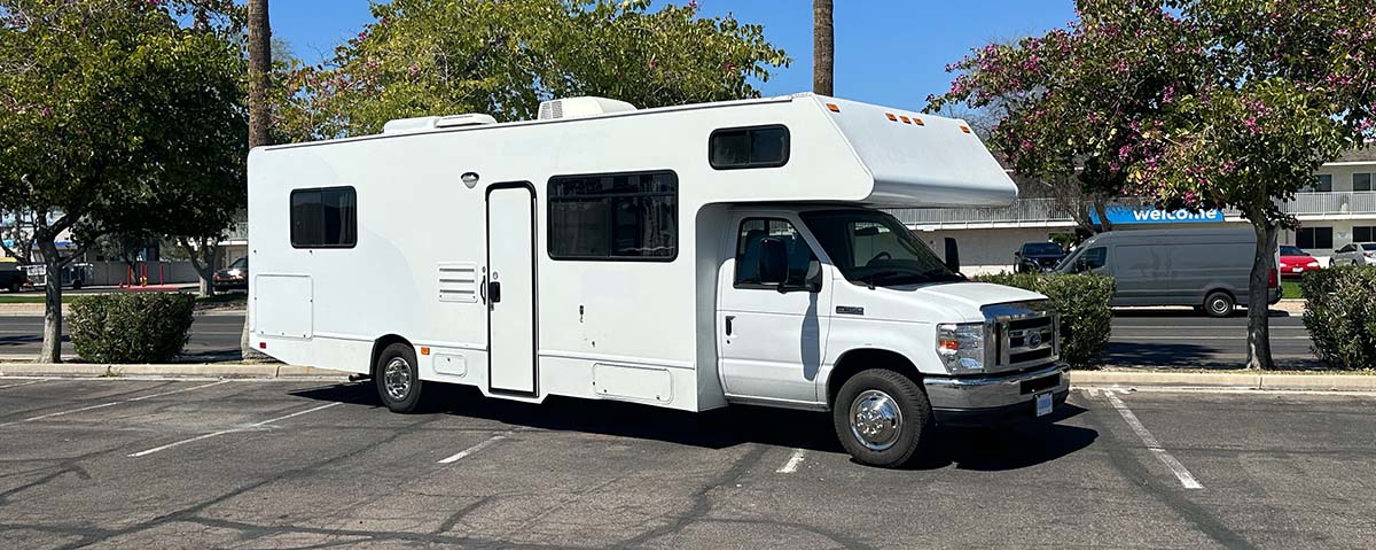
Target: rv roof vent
x: 574, y: 107
x: 426, y: 123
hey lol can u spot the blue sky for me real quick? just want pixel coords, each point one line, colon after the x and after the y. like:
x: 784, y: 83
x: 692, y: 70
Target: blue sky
x: 890, y: 52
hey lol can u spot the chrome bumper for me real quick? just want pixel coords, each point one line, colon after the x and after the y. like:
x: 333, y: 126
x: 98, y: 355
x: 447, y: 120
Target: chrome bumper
x: 994, y: 391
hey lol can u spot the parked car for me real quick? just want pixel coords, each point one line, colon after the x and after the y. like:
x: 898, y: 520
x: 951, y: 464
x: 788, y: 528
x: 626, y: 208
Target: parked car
x: 234, y: 277
x: 1037, y: 256
x: 1355, y: 254
x: 1208, y: 268
x: 12, y: 277
x: 1294, y: 261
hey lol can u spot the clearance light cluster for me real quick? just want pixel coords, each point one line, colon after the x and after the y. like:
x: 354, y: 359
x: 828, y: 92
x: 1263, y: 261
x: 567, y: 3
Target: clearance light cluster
x: 905, y: 119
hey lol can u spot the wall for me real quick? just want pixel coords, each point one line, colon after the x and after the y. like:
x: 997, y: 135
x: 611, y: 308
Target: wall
x: 986, y: 250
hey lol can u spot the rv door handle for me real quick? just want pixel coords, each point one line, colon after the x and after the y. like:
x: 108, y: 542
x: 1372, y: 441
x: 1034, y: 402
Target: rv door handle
x: 729, y: 318
x: 494, y: 292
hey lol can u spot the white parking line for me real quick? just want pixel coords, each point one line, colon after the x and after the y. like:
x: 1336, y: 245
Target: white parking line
x: 112, y: 403
x: 1152, y: 444
x: 22, y: 384
x: 469, y: 451
x: 230, y: 431
x: 793, y: 462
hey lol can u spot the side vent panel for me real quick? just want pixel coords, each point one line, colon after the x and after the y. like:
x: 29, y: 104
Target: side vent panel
x: 458, y: 282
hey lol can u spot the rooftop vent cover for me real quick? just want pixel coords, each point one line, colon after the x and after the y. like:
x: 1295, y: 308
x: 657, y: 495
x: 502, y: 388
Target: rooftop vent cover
x: 428, y: 123
x: 576, y: 107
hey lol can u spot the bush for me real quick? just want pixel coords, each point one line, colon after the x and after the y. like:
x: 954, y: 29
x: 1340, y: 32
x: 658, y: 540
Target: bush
x: 1341, y: 315
x: 131, y: 328
x: 1083, y: 303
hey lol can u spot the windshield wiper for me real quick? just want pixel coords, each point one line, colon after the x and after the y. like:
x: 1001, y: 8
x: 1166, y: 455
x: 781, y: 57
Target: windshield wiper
x: 869, y: 279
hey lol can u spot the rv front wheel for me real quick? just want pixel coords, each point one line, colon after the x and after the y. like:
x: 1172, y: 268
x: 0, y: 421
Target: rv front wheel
x: 881, y: 416
x: 397, y: 378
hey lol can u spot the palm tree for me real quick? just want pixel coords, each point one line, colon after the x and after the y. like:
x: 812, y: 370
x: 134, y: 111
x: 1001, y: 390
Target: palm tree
x: 823, y: 48
x: 259, y: 72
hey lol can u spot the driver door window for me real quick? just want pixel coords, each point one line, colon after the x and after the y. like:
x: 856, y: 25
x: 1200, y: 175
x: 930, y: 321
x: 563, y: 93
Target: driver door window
x: 803, y: 268
x: 1095, y: 258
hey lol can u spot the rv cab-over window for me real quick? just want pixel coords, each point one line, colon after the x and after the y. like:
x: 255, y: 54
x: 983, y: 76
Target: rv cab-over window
x: 754, y: 147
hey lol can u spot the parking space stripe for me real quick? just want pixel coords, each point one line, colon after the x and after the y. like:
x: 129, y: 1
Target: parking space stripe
x: 1181, y: 473
x: 471, y: 450
x: 30, y: 382
x: 249, y: 427
x: 111, y: 404
x: 799, y: 455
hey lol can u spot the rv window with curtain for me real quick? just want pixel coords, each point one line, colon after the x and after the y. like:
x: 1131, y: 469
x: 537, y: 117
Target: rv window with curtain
x: 757, y: 147
x: 625, y: 217
x: 324, y: 217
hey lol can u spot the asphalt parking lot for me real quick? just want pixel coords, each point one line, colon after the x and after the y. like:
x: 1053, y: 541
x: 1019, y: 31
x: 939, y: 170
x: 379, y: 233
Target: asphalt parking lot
x: 309, y: 464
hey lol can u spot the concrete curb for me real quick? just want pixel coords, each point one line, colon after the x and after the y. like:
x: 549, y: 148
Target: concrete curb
x: 202, y: 371
x: 1258, y: 381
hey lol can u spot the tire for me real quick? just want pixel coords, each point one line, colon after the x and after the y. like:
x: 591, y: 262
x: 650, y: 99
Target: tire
x: 397, y: 378
x: 15, y: 287
x: 1219, y: 304
x: 77, y: 284
x: 887, y: 396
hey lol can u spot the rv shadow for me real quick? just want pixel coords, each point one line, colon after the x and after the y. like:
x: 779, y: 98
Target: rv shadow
x: 1007, y: 448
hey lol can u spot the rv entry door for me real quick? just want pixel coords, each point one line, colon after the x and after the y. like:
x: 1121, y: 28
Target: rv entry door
x: 510, y: 288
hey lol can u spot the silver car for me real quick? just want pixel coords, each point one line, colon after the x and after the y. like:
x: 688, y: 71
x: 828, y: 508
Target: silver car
x: 1355, y: 254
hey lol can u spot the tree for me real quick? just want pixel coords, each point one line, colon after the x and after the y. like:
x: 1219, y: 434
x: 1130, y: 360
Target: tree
x: 107, y: 109
x: 1190, y: 103
x: 823, y: 48
x: 513, y: 54
x: 259, y: 118
x: 1286, y: 86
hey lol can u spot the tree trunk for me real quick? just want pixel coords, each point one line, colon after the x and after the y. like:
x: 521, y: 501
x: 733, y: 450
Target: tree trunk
x: 259, y: 73
x: 205, y: 266
x: 1258, y: 287
x: 51, y: 351
x: 1101, y: 209
x: 823, y: 48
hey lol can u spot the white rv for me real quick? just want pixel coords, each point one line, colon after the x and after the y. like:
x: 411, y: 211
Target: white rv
x: 687, y: 257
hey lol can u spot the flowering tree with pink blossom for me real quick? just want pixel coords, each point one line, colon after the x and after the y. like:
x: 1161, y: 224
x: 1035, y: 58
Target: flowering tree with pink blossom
x: 1190, y: 104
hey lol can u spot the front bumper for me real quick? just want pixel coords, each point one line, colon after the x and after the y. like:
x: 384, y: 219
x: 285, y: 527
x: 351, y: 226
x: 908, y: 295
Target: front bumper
x: 996, y: 398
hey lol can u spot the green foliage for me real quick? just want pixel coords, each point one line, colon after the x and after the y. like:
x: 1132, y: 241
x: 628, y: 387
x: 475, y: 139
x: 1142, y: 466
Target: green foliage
x: 1083, y: 303
x: 1341, y: 315
x: 427, y: 57
x: 131, y: 328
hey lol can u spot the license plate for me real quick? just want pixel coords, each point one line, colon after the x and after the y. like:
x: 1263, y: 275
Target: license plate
x: 1297, y: 269
x: 1043, y: 404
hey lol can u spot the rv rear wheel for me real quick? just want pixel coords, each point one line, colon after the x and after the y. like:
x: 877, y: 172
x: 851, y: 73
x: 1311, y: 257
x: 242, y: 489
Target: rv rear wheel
x: 1219, y: 304
x: 397, y: 378
x: 881, y: 416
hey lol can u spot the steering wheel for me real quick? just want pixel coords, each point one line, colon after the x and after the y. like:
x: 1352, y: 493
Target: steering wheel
x: 879, y: 257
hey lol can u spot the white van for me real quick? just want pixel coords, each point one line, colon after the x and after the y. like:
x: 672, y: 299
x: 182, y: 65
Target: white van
x: 686, y: 257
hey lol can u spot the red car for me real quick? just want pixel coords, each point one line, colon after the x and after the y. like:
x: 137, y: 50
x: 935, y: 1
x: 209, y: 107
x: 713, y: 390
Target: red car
x: 1295, y: 262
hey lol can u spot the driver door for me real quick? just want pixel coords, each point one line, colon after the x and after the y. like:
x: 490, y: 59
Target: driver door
x: 771, y: 342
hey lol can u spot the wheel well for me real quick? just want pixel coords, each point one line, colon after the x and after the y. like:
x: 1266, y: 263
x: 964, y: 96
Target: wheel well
x: 856, y: 360
x: 381, y: 344
x: 1212, y: 291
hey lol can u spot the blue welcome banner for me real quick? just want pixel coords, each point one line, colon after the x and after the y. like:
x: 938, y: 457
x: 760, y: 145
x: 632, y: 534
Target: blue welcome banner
x: 1119, y: 214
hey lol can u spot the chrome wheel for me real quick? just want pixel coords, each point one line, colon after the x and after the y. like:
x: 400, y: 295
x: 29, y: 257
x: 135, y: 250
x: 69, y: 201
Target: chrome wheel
x: 875, y: 420
x: 396, y: 378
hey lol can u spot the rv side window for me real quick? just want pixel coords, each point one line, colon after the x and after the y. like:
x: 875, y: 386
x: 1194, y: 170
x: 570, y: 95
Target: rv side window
x: 756, y: 147
x: 624, y: 217
x: 324, y: 217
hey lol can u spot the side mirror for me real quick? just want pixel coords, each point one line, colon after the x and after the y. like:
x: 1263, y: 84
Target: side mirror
x: 952, y: 255
x: 773, y: 262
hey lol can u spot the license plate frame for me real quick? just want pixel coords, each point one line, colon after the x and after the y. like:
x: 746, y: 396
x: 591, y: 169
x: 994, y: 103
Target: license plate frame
x: 1045, y: 404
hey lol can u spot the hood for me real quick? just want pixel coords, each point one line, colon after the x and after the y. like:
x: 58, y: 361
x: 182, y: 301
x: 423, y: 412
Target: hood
x: 977, y: 295
x: 951, y: 302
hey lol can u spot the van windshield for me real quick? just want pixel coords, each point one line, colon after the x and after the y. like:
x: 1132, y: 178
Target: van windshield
x: 874, y: 248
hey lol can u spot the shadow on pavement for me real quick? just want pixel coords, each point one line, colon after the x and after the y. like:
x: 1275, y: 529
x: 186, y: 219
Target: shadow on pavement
x: 1011, y: 447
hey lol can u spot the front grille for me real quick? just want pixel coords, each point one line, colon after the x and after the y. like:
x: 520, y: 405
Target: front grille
x: 1024, y: 335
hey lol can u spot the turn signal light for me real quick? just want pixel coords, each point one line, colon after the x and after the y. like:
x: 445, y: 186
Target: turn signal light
x: 833, y: 107
x: 892, y: 117
x: 965, y: 129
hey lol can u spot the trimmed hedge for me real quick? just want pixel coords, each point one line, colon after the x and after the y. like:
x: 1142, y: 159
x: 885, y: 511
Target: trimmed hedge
x: 1083, y: 302
x: 131, y: 328
x: 1341, y: 315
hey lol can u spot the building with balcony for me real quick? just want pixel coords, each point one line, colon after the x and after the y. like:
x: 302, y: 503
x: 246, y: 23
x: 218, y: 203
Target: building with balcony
x: 1340, y: 208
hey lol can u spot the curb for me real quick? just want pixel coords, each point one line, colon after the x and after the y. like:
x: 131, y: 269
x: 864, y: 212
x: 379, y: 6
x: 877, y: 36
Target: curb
x: 202, y: 371
x: 1259, y: 381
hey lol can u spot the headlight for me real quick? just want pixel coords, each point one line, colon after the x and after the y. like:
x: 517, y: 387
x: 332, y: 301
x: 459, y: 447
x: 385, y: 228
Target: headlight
x: 961, y: 347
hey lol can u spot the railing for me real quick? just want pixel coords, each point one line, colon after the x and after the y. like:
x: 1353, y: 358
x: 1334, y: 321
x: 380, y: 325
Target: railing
x: 1035, y: 211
